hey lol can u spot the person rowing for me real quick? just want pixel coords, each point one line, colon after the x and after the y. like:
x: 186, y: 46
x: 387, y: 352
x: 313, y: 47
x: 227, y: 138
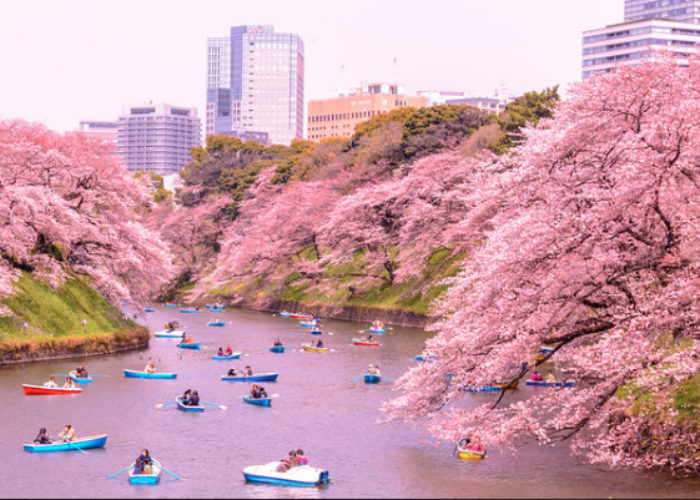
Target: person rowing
x: 474, y: 446
x: 248, y: 371
x: 194, y: 399
x: 185, y: 339
x: 536, y: 377
x: 68, y: 433
x: 186, y: 396
x: 373, y: 369
x: 79, y: 372
x: 150, y: 367
x: 142, y: 464
x: 319, y: 344
x: 277, y: 343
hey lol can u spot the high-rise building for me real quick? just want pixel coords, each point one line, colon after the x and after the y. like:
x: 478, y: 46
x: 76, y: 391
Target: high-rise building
x: 337, y: 116
x: 255, y: 83
x: 625, y: 44
x: 685, y: 11
x: 158, y: 137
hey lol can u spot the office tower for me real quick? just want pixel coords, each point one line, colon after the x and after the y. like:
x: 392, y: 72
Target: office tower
x: 337, y: 116
x: 628, y: 43
x: 685, y: 11
x: 158, y: 137
x: 255, y: 84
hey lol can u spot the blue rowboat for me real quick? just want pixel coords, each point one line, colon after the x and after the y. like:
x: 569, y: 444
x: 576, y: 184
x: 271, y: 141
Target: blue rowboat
x: 190, y: 311
x: 307, y: 323
x: 542, y: 383
x: 375, y: 329
x: 284, y: 314
x: 209, y: 306
x: 483, y: 388
x: 216, y: 323
x: 97, y: 441
x: 139, y: 374
x: 316, y: 331
x: 149, y: 310
x: 421, y: 358
x: 256, y: 377
x: 216, y: 310
x: 151, y: 478
x: 301, y: 475
x: 372, y: 379
x: 235, y: 355
x: 257, y: 401
x: 169, y: 305
x: 194, y: 345
x: 78, y: 380
x: 277, y: 348
x: 169, y: 334
x: 184, y: 407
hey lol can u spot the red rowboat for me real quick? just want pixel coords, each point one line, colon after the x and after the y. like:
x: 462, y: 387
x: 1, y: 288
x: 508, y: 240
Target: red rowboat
x: 40, y: 389
x: 301, y: 316
x: 369, y: 343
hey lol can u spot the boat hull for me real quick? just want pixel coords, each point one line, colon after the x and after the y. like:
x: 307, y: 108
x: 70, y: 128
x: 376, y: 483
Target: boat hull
x: 189, y: 346
x: 365, y: 343
x: 471, y: 455
x: 235, y: 355
x: 277, y: 348
x: 191, y: 311
x: 169, y: 305
x: 184, y: 407
x: 149, y: 310
x: 87, y: 442
x: 542, y: 383
x: 32, y: 390
x: 138, y: 374
x: 301, y: 475
x: 307, y: 323
x: 314, y: 349
x: 376, y: 330
x: 261, y: 377
x: 78, y: 380
x: 372, y: 379
x: 218, y: 323
x: 169, y: 334
x: 421, y: 358
x: 284, y: 314
x: 301, y: 316
x: 315, y: 332
x: 257, y: 401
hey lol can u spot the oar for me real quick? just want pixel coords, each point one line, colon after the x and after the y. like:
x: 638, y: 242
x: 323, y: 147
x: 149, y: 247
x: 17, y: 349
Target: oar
x: 223, y: 407
x: 166, y: 470
x: 75, y: 447
x: 386, y: 378
x: 161, y: 405
x: 355, y: 379
x: 69, y: 375
x: 123, y: 470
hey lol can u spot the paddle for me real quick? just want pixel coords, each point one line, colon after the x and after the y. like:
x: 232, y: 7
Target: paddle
x: 69, y: 375
x: 223, y: 407
x: 166, y: 470
x: 75, y: 447
x: 123, y: 470
x: 161, y: 405
x: 386, y: 378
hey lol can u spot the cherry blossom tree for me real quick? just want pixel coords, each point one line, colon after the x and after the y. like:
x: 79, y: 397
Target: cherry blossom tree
x: 67, y: 206
x: 594, y: 249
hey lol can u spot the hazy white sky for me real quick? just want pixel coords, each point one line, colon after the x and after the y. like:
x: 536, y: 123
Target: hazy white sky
x: 67, y: 60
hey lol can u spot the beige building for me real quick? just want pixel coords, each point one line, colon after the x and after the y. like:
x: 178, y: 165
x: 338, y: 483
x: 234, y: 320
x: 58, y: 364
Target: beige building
x: 337, y: 116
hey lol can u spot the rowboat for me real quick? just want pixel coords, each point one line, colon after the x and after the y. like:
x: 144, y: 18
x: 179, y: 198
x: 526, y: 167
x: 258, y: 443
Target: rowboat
x: 257, y: 401
x: 169, y: 334
x: 216, y: 323
x: 307, y: 323
x: 256, y: 377
x: 369, y: 343
x: 149, y: 309
x: 301, y: 316
x: 80, y: 380
x: 31, y: 389
x: 308, y: 347
x: 542, y: 383
x: 483, y: 388
x: 151, y: 478
x: 507, y: 385
x: 214, y: 307
x: 277, y: 348
x: 376, y: 329
x: 284, y: 314
x: 184, y: 407
x: 194, y: 345
x: 372, y: 378
x: 301, y: 475
x: 235, y: 355
x: 169, y: 304
x: 421, y: 358
x: 470, y: 455
x: 139, y: 374
x: 214, y: 310
x: 315, y: 331
x: 190, y: 311
x: 97, y: 441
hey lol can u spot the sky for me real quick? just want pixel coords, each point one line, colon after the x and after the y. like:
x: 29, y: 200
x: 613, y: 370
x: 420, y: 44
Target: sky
x: 64, y: 61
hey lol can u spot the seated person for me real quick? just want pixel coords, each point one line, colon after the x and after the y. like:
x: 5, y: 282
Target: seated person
x: 301, y: 459
x: 373, y: 370
x: 536, y: 377
x: 467, y: 444
x: 319, y: 344
x: 220, y: 352
x: 248, y: 371
x: 141, y: 461
x: 254, y: 392
x: 68, y: 433
x: 69, y: 384
x: 150, y: 367
x: 293, y: 459
x: 194, y: 399
x: 43, y: 437
x: 82, y: 372
x: 186, y: 396
x: 262, y: 393
x: 550, y: 378
x: 233, y: 372
x: 228, y: 351
x: 284, y: 465
x: 52, y: 382
x: 277, y: 343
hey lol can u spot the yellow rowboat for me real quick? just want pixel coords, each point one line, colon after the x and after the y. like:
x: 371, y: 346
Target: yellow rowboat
x: 514, y: 385
x: 471, y: 455
x: 307, y: 347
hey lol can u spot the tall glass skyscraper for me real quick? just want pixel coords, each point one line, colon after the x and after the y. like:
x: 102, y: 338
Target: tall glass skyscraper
x: 255, y: 83
x: 685, y: 11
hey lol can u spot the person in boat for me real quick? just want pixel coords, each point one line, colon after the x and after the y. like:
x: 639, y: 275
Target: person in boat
x: 473, y: 445
x: 69, y: 384
x: 254, y: 392
x: 319, y: 344
x: 550, y: 378
x: 220, y: 352
x: 284, y: 465
x: 194, y: 399
x: 536, y: 377
x: 51, y: 383
x: 234, y: 372
x: 248, y: 371
x: 150, y: 367
x: 228, y: 351
x: 262, y: 393
x: 186, y: 396
x: 367, y: 337
x: 277, y: 343
x: 68, y: 433
x: 373, y: 370
x: 81, y: 372
x: 301, y: 459
x: 141, y: 461
x: 43, y: 437
x: 293, y: 462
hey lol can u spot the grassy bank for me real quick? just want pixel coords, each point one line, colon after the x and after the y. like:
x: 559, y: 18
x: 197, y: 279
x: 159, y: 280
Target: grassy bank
x: 48, y: 323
